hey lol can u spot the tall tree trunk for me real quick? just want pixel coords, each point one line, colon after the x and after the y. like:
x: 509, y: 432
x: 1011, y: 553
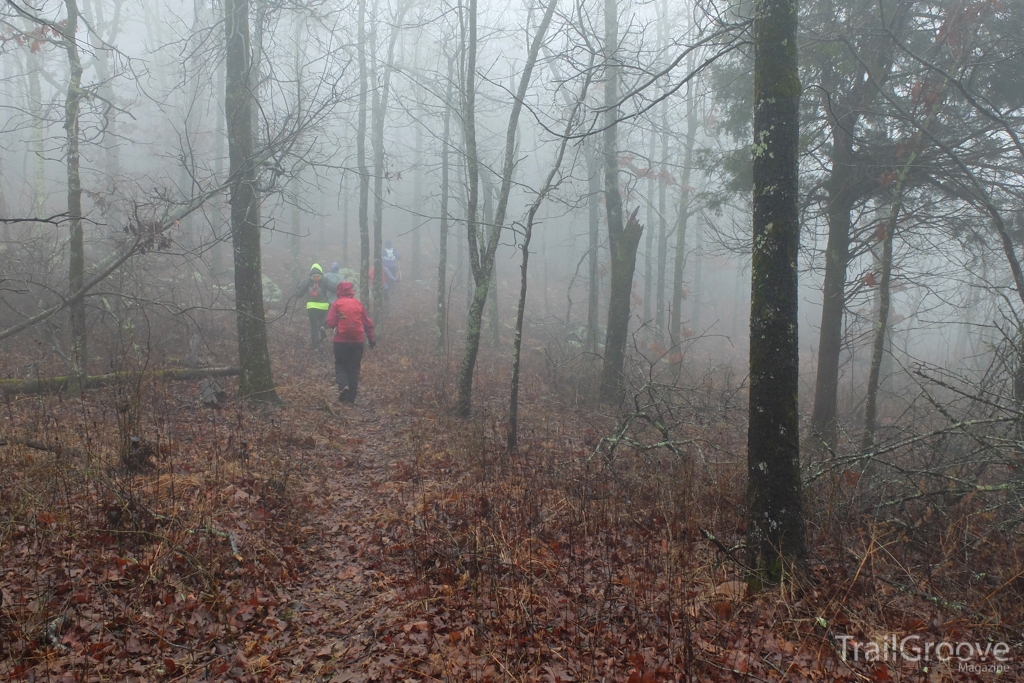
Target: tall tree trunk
x: 256, y: 380
x: 512, y: 440
x: 482, y: 248
x: 850, y: 179
x: 867, y: 443
x: 381, y: 94
x: 841, y: 197
x: 218, y: 220
x: 682, y: 219
x: 492, y: 289
x: 364, y: 172
x: 698, y: 277
x: 345, y: 196
x: 775, y: 532
x: 623, y: 240
x: 594, y: 227
x: 649, y: 291
x: 109, y: 140
x: 659, y: 317
x: 297, y: 269
x: 76, y: 263
x: 442, y: 261
x: 417, y: 195
x: 35, y: 106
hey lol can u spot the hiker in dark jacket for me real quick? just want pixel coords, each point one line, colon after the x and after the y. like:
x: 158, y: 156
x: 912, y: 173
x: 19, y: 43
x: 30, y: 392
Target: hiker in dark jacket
x: 317, y: 297
x: 353, y: 328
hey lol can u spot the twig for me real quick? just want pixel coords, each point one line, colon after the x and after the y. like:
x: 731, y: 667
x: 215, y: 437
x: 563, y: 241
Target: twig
x: 727, y: 551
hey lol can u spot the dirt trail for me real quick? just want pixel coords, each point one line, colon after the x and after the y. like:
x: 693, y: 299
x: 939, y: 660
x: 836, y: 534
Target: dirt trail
x: 350, y: 605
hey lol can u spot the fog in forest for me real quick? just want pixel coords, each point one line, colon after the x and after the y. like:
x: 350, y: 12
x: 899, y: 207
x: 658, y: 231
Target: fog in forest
x: 153, y: 145
x: 562, y: 340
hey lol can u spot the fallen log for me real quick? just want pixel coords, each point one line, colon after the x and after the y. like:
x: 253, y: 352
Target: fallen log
x: 37, y: 445
x: 52, y: 385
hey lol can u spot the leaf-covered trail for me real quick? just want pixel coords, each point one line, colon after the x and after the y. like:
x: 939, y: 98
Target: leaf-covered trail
x: 387, y: 541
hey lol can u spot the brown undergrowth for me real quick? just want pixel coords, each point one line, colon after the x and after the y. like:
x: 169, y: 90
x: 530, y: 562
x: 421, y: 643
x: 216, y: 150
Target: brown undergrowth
x: 391, y: 542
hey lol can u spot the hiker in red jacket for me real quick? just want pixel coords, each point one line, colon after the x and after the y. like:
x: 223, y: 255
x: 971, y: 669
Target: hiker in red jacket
x: 353, y: 327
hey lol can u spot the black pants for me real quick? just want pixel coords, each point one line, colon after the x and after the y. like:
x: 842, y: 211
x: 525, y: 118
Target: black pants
x: 347, y: 358
x: 317, y: 331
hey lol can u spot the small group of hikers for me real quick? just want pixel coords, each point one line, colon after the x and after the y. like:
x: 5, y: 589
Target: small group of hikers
x: 331, y: 304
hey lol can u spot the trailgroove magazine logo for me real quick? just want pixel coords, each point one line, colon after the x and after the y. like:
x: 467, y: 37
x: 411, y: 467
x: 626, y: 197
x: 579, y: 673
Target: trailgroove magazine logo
x: 971, y: 657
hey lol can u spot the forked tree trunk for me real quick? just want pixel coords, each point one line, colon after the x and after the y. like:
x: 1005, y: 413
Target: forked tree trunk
x: 775, y: 532
x: 623, y: 240
x: 256, y: 380
x: 850, y: 179
x: 830, y: 340
x: 483, y: 247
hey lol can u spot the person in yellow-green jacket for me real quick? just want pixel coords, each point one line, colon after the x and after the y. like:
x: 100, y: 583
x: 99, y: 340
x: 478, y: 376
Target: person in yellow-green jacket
x: 318, y: 300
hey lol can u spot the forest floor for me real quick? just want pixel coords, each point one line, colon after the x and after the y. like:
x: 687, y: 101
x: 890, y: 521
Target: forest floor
x: 389, y: 542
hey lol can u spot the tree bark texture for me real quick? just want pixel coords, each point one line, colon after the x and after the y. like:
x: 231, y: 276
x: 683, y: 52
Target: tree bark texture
x: 775, y: 532
x: 256, y: 380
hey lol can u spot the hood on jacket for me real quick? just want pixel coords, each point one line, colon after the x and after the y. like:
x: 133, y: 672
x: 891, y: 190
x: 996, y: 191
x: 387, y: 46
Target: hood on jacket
x: 315, y: 269
x: 346, y: 289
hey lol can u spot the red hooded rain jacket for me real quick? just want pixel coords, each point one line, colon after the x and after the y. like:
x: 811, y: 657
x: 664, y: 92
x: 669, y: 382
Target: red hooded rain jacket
x: 349, y: 317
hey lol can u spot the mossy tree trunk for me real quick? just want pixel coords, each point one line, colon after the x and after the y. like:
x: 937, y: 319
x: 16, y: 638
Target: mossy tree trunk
x: 256, y: 380
x: 775, y: 533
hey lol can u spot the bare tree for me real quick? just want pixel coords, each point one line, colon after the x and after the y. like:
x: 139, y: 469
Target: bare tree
x: 483, y: 247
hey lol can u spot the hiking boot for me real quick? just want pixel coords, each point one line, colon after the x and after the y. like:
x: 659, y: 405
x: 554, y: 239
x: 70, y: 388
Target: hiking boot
x: 343, y: 395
